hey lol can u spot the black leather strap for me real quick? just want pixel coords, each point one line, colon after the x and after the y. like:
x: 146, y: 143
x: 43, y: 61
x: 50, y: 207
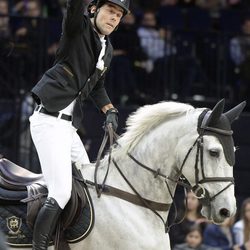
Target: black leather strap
x: 55, y: 114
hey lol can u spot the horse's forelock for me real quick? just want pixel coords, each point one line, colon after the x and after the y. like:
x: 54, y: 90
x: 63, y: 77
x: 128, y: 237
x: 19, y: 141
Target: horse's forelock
x: 148, y: 117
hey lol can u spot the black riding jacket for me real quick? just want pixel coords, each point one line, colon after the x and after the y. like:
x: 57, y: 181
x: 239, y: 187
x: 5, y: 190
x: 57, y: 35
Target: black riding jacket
x: 74, y: 74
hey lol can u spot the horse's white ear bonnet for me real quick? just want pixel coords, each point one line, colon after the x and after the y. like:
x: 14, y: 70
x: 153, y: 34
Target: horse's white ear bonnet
x: 214, y: 122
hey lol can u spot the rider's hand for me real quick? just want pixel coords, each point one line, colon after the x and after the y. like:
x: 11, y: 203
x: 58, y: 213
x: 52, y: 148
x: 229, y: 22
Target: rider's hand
x: 112, y: 117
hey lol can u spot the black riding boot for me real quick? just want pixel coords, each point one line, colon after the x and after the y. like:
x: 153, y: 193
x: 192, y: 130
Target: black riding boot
x: 45, y: 224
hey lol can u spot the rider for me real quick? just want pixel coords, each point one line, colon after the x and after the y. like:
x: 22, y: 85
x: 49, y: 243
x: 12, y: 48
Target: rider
x: 83, y: 56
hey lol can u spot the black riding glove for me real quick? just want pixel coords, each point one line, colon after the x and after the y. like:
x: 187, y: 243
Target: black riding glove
x: 112, y: 117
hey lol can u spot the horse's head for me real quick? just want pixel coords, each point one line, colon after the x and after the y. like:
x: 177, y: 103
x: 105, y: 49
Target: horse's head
x: 212, y: 156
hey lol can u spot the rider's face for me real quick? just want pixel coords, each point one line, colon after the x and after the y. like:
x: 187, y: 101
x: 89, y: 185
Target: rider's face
x: 108, y: 18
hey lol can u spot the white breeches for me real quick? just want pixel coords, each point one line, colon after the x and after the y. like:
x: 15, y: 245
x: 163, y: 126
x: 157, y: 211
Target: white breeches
x: 57, y: 145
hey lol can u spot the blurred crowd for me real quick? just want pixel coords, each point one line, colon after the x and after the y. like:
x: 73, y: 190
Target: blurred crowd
x: 161, y: 51
x: 56, y: 7
x: 197, y: 233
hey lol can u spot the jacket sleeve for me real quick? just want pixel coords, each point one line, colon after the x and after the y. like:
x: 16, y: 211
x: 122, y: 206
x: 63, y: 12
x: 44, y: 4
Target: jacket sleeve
x: 99, y: 94
x: 74, y: 18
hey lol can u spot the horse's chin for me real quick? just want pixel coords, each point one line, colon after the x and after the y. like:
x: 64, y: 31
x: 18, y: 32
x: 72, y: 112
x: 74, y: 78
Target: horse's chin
x: 212, y: 215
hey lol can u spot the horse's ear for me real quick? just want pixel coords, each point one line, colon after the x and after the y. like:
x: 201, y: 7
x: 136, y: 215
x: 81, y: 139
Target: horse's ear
x: 235, y: 112
x: 216, y: 112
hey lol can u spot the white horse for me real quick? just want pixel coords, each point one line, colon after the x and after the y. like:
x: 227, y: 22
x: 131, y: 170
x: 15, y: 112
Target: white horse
x: 162, y: 141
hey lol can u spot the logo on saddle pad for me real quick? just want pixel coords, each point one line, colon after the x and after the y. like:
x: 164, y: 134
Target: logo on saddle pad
x: 14, y: 224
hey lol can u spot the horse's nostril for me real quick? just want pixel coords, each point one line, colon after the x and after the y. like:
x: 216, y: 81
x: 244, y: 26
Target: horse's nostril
x: 224, y: 212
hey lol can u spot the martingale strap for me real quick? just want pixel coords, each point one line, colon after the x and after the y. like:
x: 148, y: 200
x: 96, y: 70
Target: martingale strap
x: 132, y: 198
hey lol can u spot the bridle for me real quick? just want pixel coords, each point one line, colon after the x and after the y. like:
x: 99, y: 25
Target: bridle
x: 200, y: 192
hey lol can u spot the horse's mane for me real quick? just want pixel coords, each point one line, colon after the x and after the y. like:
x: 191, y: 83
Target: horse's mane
x: 148, y: 117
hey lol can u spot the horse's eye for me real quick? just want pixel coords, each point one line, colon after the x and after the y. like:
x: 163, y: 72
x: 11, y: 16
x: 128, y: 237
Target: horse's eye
x: 214, y: 152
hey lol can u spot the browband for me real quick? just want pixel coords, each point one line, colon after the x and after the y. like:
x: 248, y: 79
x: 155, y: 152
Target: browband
x: 218, y: 131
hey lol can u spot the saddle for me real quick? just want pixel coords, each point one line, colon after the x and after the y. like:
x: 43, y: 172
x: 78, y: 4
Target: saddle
x: 14, y: 177
x: 19, y: 186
